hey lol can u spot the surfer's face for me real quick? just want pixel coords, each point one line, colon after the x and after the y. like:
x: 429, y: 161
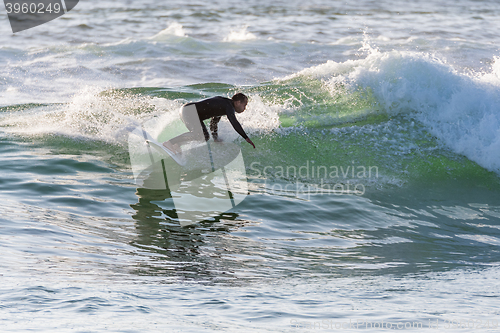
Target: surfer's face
x: 240, y: 106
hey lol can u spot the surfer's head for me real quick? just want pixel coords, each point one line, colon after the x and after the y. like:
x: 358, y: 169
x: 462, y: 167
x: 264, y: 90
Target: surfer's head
x: 240, y: 102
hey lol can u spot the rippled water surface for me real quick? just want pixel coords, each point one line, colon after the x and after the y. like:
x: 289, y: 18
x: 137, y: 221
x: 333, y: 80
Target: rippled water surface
x: 374, y: 192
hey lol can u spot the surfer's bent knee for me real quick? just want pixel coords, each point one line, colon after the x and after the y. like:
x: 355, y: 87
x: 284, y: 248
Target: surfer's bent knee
x: 190, y: 118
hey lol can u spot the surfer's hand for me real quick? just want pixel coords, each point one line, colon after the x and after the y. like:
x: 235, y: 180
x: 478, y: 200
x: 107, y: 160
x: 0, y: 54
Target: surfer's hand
x: 250, y: 142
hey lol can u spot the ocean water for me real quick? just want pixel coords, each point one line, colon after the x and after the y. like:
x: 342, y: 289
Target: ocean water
x: 374, y: 189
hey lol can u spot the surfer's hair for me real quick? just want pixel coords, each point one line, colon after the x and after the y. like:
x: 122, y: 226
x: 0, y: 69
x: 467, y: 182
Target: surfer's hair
x: 240, y: 97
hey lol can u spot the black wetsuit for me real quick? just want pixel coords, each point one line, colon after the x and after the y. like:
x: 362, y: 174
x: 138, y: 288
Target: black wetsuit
x: 214, y: 108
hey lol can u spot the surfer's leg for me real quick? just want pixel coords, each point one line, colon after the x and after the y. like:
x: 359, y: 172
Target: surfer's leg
x: 205, y: 132
x: 197, y: 130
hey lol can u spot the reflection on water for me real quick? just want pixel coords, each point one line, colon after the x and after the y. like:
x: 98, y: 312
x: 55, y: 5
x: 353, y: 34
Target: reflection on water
x: 195, y: 252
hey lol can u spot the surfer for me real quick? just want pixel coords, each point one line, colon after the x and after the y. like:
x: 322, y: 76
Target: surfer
x: 193, y: 114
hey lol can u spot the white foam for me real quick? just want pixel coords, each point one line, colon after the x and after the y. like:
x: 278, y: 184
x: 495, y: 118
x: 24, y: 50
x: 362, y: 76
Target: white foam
x: 173, y: 29
x: 239, y: 35
x: 93, y: 116
x: 462, y: 110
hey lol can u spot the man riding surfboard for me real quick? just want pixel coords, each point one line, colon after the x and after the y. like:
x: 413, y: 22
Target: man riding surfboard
x: 193, y: 114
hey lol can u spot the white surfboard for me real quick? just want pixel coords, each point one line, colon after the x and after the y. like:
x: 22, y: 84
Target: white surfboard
x: 158, y: 146
x: 205, y: 180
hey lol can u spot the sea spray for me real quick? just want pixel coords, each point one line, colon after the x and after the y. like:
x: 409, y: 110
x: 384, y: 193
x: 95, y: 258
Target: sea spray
x: 461, y: 109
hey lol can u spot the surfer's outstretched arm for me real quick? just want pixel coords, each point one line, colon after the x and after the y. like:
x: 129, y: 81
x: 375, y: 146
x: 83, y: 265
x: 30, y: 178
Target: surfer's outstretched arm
x: 230, y: 112
x: 250, y: 142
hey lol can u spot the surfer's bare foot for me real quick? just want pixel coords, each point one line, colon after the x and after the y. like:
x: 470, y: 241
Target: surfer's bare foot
x: 172, y: 147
